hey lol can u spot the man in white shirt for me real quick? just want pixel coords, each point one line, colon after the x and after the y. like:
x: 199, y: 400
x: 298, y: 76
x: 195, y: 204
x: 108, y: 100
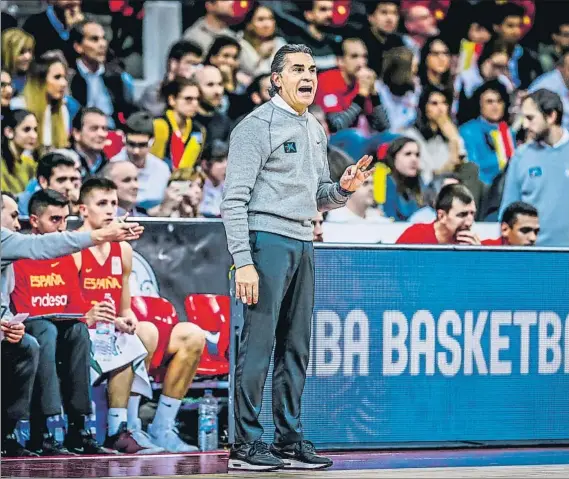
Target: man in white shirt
x: 214, y: 165
x: 359, y: 208
x: 153, y: 173
x: 212, y: 25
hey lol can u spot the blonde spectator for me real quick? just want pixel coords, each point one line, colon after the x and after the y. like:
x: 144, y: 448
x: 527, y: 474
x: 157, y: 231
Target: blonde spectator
x: 183, y: 195
x: 17, y: 55
x: 45, y: 96
x: 19, y: 140
x: 259, y: 42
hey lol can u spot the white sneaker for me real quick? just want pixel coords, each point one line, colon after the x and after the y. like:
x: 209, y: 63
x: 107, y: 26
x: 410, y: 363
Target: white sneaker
x: 168, y: 438
x: 143, y: 439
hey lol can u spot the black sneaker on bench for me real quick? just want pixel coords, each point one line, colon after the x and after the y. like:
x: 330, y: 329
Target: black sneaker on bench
x: 253, y: 456
x: 301, y: 455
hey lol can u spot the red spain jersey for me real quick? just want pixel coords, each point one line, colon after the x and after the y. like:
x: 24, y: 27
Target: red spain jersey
x: 97, y: 279
x: 334, y: 95
x: 420, y: 233
x: 494, y: 242
x: 47, y: 287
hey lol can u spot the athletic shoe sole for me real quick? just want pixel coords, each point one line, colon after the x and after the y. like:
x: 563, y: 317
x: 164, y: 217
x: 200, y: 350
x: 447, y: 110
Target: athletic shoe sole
x: 294, y: 464
x: 238, y: 464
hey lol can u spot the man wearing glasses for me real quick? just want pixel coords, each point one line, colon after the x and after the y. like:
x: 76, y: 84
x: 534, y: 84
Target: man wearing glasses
x: 153, y: 173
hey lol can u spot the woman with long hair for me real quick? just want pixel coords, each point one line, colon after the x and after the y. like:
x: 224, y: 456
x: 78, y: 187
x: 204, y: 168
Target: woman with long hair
x: 17, y: 55
x: 6, y: 93
x: 398, y: 89
x: 259, y: 41
x: 19, y: 140
x: 404, y: 189
x: 434, y: 66
x: 45, y: 96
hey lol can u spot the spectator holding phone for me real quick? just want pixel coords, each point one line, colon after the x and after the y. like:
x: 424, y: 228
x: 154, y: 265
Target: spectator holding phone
x: 183, y: 196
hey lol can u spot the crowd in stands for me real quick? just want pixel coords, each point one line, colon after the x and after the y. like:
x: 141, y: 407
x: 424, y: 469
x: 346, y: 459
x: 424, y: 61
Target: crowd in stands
x: 388, y: 70
x: 463, y: 127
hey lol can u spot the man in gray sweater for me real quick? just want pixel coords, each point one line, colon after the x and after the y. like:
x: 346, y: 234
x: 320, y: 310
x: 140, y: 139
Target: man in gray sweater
x: 277, y: 179
x: 20, y: 351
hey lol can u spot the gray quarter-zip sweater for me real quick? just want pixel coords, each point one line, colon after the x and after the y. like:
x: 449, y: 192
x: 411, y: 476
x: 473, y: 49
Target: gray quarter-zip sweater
x: 277, y: 177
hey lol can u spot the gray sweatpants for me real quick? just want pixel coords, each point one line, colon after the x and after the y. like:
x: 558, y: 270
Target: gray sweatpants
x: 282, y: 317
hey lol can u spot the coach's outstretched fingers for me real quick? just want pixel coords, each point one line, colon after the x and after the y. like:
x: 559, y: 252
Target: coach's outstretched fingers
x: 247, y: 284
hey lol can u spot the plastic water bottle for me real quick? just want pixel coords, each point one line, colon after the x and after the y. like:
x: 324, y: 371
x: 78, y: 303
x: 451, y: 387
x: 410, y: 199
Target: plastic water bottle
x: 207, y: 437
x: 105, y: 337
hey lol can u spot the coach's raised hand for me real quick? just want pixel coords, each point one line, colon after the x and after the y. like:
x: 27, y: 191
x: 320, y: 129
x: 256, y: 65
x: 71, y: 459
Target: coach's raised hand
x: 247, y: 284
x: 117, y: 231
x: 355, y: 175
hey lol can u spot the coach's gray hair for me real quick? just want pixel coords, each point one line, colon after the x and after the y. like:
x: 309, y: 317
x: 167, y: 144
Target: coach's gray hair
x: 278, y: 64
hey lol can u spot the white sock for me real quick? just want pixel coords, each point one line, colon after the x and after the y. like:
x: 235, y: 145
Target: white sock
x: 166, y: 412
x: 133, y: 405
x: 115, y: 417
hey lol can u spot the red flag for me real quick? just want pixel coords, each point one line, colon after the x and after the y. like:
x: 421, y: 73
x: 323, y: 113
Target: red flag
x: 341, y: 13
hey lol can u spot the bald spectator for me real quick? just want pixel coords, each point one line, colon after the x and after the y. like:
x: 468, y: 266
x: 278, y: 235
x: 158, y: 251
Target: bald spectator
x: 420, y: 24
x: 318, y: 15
x: 213, y: 24
x: 216, y: 123
x: 183, y: 58
x: 519, y: 227
x: 153, y: 173
x: 125, y: 175
x: 10, y: 212
x: 381, y: 35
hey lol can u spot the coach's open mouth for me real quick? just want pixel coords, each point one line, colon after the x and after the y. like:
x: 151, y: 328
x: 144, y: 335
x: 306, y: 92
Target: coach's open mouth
x: 305, y: 89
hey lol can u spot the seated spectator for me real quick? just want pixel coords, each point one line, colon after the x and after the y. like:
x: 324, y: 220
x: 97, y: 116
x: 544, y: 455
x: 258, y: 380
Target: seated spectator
x: 492, y: 65
x: 183, y: 195
x: 434, y: 65
x: 6, y: 93
x: 479, y: 29
x: 124, y: 174
x: 442, y: 148
x: 381, y: 35
x: 55, y: 172
x: 537, y: 173
x: 183, y: 58
x: 359, y: 207
x: 178, y: 139
x: 65, y: 342
x: 520, y: 226
x: 51, y: 28
x: 153, y: 173
x: 348, y: 92
x: 257, y: 93
x: 488, y: 139
x: 45, y: 96
x: 557, y: 81
x: 20, y: 355
x: 17, y: 55
x: 318, y: 15
x: 428, y: 214
x: 420, y: 24
x: 90, y: 131
x: 214, y: 166
x: 216, y: 123
x: 317, y: 232
x: 215, y: 23
x: 404, y: 190
x: 550, y: 54
x: 19, y: 140
x: 258, y: 41
x: 98, y: 83
x: 524, y: 66
x: 456, y: 211
x: 398, y: 89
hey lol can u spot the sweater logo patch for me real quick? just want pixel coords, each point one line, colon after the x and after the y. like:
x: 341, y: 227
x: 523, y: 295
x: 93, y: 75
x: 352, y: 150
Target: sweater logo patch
x: 290, y: 147
x: 535, y: 172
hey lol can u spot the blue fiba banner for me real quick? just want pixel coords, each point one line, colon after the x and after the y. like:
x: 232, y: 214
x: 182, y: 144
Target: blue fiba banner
x: 436, y: 345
